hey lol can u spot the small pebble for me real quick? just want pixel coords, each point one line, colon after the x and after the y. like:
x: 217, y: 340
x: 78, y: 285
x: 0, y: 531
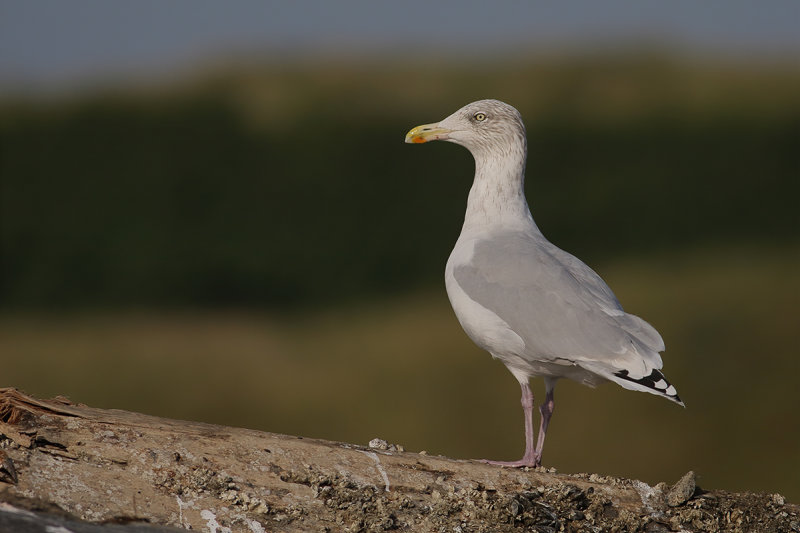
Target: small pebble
x: 682, y: 490
x: 378, y: 444
x: 778, y: 499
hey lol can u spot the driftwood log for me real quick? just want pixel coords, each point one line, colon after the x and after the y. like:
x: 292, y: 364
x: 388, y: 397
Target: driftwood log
x: 96, y: 470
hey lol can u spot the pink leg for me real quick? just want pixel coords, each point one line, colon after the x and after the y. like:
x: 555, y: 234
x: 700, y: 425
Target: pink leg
x: 546, y: 410
x: 530, y: 458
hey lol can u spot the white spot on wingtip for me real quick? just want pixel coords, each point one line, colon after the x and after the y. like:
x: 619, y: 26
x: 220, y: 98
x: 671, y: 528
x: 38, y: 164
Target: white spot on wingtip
x: 671, y: 391
x: 660, y: 384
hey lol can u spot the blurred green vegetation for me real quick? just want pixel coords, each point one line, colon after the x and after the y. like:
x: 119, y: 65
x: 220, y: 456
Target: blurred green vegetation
x: 288, y: 186
x: 258, y: 247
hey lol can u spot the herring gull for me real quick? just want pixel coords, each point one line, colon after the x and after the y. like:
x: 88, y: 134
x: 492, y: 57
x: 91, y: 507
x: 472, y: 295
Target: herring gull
x: 533, y: 306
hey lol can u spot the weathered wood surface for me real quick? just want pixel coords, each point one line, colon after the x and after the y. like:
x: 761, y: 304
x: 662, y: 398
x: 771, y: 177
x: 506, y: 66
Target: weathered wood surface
x: 111, y: 466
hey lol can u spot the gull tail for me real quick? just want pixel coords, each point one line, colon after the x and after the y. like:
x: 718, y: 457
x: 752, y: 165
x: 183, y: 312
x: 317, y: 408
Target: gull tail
x: 655, y: 383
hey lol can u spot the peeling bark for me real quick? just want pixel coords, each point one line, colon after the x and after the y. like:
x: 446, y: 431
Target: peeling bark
x: 111, y: 466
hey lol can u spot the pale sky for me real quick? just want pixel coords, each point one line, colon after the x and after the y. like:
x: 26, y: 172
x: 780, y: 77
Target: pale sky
x: 45, y: 42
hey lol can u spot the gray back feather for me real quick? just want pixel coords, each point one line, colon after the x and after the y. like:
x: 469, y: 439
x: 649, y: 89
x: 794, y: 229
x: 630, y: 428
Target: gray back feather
x: 559, y: 306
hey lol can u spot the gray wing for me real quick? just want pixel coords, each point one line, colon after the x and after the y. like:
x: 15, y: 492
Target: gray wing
x: 593, y: 283
x: 559, y: 306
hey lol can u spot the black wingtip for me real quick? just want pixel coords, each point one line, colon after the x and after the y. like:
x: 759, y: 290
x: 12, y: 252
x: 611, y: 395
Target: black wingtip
x: 655, y: 382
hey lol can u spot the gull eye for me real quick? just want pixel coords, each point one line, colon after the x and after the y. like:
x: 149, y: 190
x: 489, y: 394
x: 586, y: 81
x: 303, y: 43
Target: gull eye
x: 480, y: 117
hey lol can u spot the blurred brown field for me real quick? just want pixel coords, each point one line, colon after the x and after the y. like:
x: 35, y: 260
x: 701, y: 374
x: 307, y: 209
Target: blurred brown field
x: 402, y: 369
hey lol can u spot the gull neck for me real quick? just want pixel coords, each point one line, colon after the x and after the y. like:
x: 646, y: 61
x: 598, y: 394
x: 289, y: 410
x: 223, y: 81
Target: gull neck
x: 497, y: 196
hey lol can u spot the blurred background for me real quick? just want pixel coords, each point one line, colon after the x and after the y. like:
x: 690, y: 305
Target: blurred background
x: 208, y: 213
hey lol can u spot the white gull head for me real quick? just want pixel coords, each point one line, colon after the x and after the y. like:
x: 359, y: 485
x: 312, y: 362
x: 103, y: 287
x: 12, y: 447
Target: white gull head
x: 495, y: 135
x: 486, y: 128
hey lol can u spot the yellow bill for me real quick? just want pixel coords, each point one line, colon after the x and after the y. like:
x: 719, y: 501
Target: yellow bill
x: 427, y: 132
